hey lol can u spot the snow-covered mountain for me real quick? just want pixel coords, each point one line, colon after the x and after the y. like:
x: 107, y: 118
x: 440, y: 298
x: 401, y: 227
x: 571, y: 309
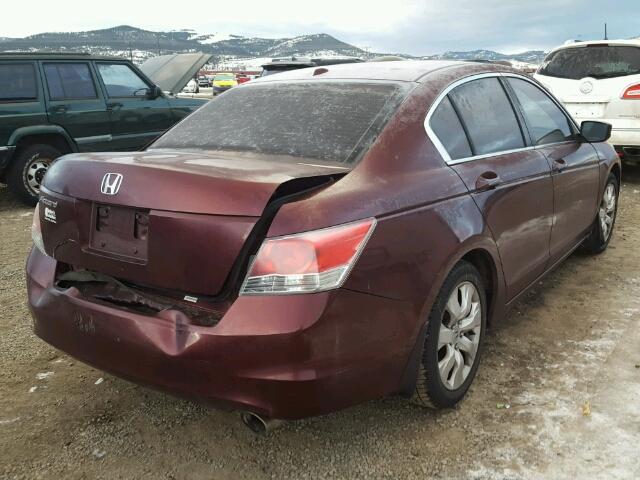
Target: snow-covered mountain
x: 146, y: 43
x: 532, y: 56
x: 227, y: 48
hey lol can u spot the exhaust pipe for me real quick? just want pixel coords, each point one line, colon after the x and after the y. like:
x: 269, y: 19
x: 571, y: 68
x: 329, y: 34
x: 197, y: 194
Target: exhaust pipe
x: 258, y: 424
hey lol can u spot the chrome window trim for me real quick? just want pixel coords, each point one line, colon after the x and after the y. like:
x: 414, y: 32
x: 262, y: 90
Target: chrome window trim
x: 488, y: 155
x: 443, y: 151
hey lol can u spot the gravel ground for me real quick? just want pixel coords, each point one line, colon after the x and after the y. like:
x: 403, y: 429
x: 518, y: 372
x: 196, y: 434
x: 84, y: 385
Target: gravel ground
x: 555, y: 397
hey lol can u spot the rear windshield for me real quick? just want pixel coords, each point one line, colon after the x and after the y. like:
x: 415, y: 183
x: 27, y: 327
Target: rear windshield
x: 598, y: 61
x: 225, y: 76
x: 330, y: 121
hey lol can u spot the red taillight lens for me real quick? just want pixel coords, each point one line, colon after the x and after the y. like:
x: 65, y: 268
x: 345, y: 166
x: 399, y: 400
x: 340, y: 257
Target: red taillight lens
x: 632, y: 93
x: 307, y: 262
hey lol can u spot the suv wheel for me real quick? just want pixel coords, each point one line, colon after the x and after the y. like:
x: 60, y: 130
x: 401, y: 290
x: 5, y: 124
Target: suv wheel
x: 453, y: 343
x: 27, y: 171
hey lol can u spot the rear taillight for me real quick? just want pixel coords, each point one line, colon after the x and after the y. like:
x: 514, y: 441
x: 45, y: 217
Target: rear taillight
x: 632, y: 93
x: 307, y: 262
x: 36, y: 231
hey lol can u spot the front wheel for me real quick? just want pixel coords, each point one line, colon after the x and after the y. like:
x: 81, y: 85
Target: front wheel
x: 453, y: 342
x: 602, y: 229
x: 28, y: 169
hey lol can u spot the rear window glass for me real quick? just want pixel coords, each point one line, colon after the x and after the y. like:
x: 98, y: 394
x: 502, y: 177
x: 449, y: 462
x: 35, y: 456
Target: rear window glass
x: 225, y: 76
x: 332, y: 121
x: 69, y: 81
x: 447, y: 127
x: 18, y: 82
x: 601, y: 61
x: 488, y: 116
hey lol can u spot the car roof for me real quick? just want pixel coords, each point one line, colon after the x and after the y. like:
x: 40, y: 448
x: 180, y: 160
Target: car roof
x: 57, y: 56
x: 402, y: 71
x: 581, y: 44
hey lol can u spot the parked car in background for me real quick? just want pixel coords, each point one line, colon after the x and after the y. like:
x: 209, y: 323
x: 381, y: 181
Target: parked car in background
x: 223, y: 82
x: 52, y: 104
x: 242, y: 78
x: 349, y: 239
x: 599, y: 81
x: 203, y: 81
x: 191, y: 87
x: 278, y: 65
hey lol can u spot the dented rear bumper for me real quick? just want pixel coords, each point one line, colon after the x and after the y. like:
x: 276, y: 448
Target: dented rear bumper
x: 279, y: 356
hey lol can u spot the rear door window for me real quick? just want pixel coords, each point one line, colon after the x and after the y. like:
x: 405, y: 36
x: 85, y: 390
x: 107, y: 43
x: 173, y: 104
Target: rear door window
x: 121, y: 81
x: 447, y: 127
x: 545, y: 121
x: 488, y: 116
x: 69, y: 81
x: 596, y: 61
x: 18, y: 81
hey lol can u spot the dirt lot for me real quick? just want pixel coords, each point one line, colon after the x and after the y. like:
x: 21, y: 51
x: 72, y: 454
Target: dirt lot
x: 568, y: 348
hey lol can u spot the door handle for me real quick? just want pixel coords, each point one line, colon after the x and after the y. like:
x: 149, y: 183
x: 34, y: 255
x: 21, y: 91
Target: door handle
x: 60, y: 108
x: 114, y: 105
x: 559, y: 164
x: 487, y: 181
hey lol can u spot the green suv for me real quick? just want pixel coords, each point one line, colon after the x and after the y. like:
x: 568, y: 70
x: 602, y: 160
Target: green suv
x: 52, y: 104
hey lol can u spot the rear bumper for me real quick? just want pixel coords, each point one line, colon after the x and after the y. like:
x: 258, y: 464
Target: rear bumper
x: 627, y: 137
x: 279, y: 356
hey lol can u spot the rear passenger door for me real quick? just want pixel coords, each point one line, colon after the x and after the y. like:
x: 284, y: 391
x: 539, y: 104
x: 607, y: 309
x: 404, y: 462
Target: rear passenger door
x: 75, y: 103
x: 136, y: 118
x: 574, y: 165
x: 481, y: 136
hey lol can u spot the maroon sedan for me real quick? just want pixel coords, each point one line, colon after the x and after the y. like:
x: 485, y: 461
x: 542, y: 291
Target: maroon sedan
x: 348, y: 232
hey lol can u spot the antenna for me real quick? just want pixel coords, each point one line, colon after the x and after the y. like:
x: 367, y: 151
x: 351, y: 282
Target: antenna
x: 605, y: 31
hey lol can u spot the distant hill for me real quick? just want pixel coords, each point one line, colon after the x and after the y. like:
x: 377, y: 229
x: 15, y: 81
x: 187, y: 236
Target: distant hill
x: 128, y: 41
x: 145, y: 43
x: 531, y: 56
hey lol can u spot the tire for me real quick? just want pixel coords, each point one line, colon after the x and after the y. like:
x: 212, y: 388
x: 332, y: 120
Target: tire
x: 444, y: 390
x: 27, y: 171
x: 599, y: 238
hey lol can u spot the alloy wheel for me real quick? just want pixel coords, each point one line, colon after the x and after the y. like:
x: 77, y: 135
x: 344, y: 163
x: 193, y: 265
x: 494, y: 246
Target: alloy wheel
x: 607, y: 211
x: 459, y: 336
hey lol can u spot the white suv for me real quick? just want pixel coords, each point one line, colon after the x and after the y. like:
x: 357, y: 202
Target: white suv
x: 599, y: 81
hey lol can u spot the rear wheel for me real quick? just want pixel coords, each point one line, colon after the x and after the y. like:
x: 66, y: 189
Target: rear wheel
x: 453, y: 342
x: 28, y: 169
x: 602, y: 229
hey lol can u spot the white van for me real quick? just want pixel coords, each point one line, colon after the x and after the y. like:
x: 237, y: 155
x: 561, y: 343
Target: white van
x: 599, y: 80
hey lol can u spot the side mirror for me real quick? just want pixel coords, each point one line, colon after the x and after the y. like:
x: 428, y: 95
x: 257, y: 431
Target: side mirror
x: 154, y: 92
x: 595, y: 132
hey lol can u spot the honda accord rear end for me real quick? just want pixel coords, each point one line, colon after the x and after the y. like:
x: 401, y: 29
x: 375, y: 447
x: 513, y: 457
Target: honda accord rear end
x: 175, y: 268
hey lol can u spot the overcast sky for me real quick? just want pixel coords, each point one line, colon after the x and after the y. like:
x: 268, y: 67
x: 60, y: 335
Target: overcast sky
x: 416, y: 27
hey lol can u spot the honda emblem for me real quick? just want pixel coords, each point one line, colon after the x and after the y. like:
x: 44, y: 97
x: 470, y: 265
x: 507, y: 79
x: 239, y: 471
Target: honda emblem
x: 111, y: 183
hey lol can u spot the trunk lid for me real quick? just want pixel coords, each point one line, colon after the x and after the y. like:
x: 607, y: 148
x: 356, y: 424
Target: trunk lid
x: 168, y: 219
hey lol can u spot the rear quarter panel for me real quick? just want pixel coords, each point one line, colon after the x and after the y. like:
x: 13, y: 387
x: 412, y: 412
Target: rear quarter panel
x: 426, y: 218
